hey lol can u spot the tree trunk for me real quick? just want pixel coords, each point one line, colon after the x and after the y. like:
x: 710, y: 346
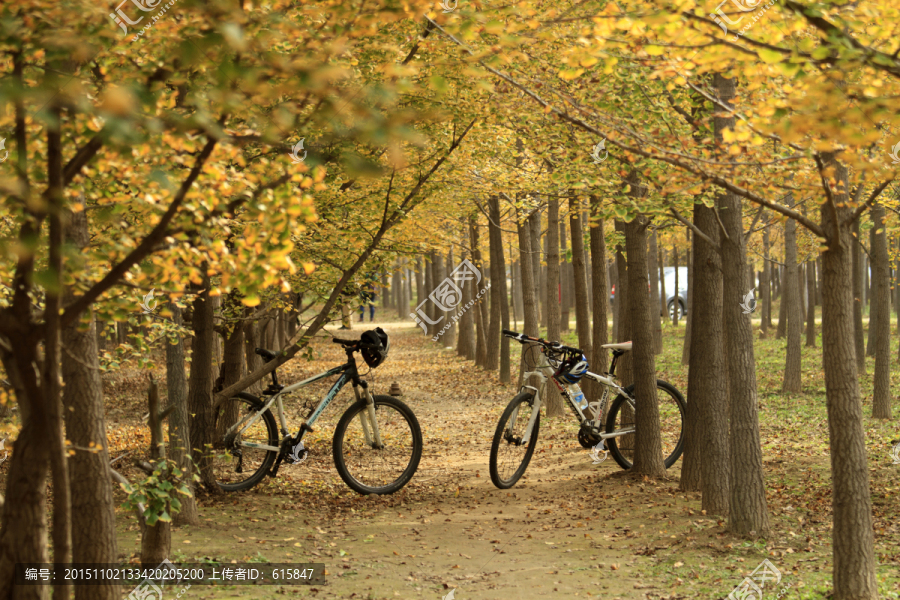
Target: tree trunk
x: 599, y: 289
x: 853, y: 537
x: 93, y: 510
x: 251, y: 358
x: 791, y: 299
x: 749, y: 515
x: 765, y: 292
x: 531, y: 320
x: 503, y: 301
x: 688, y: 320
x: 465, y: 342
x: 534, y: 221
x: 449, y: 337
x: 420, y: 280
x: 874, y: 295
x: 663, y: 294
x: 648, y: 458
x: 623, y: 367
x: 430, y: 283
x: 554, y: 400
x: 179, y: 419
x: 579, y: 271
x: 781, y: 329
x: 563, y: 280
x: 653, y: 266
x: 881, y: 277
x: 676, y: 309
x: 811, y: 304
x: 156, y: 540
x: 480, y: 325
x: 707, y: 463
x: 614, y: 278
x: 496, y: 244
x: 859, y: 334
x: 200, y: 387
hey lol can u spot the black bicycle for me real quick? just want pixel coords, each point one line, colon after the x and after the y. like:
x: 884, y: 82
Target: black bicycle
x: 377, y: 443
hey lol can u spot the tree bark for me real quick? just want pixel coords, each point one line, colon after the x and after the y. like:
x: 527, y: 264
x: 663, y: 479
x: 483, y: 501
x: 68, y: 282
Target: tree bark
x: 251, y: 358
x: 534, y: 221
x: 503, y: 297
x: 496, y: 243
x: 564, y: 315
x: 791, y: 383
x: 811, y: 304
x: 749, y: 514
x: 579, y: 271
x: 708, y: 409
x: 449, y: 337
x: 93, y: 511
x: 689, y: 319
x: 599, y: 289
x: 623, y: 367
x: 201, y: 385
x: 531, y: 321
x: 874, y: 295
x: 881, y: 277
x: 653, y: 266
x: 554, y: 400
x: 859, y: 339
x: 676, y: 305
x: 479, y: 308
x: 853, y: 536
x: 156, y: 540
x: 179, y: 419
x: 764, y: 289
x: 648, y: 458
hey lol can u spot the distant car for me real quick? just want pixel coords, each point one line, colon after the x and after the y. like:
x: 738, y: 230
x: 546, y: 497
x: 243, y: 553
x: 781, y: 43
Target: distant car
x: 669, y: 275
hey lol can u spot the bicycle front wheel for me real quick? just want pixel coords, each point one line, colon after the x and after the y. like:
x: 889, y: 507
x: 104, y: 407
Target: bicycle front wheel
x: 671, y: 422
x: 509, y: 456
x: 367, y: 466
x: 236, y: 465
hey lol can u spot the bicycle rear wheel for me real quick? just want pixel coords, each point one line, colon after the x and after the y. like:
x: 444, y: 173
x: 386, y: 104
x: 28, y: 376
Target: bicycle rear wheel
x: 236, y: 466
x: 371, y: 469
x: 671, y: 421
x: 509, y: 456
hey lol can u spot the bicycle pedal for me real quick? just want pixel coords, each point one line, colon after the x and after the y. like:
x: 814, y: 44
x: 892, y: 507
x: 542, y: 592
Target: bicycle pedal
x: 595, y: 456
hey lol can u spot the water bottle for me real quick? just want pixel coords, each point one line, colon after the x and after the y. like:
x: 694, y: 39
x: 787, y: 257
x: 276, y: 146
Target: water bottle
x: 578, y: 396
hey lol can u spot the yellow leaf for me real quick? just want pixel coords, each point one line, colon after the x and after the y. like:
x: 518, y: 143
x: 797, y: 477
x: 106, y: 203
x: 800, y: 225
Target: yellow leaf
x: 570, y: 74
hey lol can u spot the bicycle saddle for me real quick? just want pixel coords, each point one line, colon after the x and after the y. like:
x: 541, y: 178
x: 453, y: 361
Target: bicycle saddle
x: 266, y: 354
x: 620, y: 346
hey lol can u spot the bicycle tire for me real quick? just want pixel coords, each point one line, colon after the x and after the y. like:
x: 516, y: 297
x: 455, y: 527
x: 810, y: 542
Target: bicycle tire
x: 266, y: 457
x: 363, y: 455
x: 502, y: 440
x: 674, y: 413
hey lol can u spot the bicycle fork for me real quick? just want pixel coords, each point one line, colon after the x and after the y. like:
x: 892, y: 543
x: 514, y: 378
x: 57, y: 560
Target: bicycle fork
x: 373, y: 437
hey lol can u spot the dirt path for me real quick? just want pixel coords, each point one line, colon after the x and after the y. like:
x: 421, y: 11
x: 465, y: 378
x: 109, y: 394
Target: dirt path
x: 569, y: 529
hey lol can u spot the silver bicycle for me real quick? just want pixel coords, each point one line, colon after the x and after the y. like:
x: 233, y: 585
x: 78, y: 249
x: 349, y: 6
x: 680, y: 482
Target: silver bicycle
x: 517, y: 432
x: 377, y: 443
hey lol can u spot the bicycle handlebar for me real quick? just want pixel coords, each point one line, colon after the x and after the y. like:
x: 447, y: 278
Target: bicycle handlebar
x: 556, y: 346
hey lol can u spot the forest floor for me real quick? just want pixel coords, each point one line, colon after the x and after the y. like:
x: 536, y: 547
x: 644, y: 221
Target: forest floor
x: 568, y: 529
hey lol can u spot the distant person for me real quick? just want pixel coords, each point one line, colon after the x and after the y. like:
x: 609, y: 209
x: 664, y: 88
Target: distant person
x: 367, y: 298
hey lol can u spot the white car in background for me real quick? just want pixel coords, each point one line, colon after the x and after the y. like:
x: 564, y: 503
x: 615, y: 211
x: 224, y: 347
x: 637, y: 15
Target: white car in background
x: 671, y: 300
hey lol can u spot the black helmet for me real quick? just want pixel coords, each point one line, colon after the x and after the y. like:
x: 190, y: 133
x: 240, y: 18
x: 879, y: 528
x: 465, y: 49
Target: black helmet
x: 374, y: 346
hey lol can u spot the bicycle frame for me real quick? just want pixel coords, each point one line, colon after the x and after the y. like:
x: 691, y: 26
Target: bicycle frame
x: 545, y: 371
x: 348, y: 373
